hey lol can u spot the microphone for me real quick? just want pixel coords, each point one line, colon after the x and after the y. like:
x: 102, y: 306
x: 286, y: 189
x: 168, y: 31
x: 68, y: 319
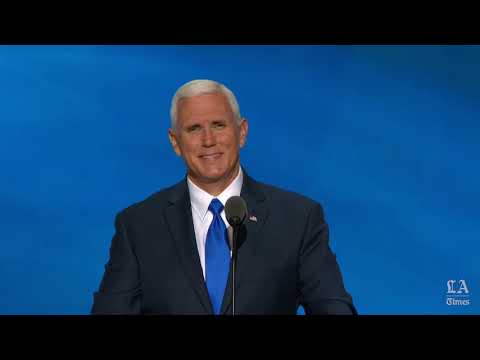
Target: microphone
x: 236, y: 213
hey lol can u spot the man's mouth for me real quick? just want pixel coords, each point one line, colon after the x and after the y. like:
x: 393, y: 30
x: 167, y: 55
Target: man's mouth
x: 211, y: 156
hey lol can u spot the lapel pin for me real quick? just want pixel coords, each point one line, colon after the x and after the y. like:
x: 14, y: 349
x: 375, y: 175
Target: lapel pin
x: 253, y: 218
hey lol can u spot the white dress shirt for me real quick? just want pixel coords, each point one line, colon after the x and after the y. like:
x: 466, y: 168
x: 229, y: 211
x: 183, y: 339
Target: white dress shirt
x: 202, y: 217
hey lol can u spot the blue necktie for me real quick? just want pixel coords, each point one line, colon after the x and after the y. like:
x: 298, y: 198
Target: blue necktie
x: 217, y: 256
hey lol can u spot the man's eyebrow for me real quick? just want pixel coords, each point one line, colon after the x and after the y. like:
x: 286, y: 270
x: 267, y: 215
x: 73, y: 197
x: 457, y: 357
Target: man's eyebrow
x: 192, y: 123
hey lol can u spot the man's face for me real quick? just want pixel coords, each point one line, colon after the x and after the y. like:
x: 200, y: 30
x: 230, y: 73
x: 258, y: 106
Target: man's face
x: 208, y: 138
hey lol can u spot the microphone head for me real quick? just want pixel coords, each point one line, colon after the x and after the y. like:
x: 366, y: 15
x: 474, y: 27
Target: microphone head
x: 236, y: 210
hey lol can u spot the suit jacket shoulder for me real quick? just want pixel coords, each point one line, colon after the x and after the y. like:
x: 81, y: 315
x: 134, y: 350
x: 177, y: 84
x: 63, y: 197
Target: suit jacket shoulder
x: 283, y: 200
x: 156, y: 201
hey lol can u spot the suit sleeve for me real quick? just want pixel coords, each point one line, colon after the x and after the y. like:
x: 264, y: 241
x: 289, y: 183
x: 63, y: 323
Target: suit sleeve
x: 320, y: 281
x: 120, y: 288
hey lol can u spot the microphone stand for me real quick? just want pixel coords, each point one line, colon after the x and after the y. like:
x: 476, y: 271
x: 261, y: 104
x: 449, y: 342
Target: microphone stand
x: 234, y: 264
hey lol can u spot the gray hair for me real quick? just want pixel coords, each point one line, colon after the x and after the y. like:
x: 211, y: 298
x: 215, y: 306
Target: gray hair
x: 200, y: 87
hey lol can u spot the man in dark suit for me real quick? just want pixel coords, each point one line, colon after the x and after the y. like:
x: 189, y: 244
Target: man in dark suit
x: 170, y: 252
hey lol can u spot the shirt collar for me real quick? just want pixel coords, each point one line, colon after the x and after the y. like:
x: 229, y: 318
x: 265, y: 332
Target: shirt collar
x: 200, y: 199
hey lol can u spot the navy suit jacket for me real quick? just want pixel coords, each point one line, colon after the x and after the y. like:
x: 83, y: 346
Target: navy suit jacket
x: 284, y: 258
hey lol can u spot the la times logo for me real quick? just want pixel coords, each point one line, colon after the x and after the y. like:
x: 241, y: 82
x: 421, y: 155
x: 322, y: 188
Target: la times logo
x: 457, y: 293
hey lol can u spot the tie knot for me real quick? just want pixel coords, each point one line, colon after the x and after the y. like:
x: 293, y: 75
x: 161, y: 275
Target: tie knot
x: 216, y: 207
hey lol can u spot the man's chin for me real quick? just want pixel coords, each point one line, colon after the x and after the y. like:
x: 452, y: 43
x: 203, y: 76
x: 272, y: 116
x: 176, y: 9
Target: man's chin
x: 212, y: 177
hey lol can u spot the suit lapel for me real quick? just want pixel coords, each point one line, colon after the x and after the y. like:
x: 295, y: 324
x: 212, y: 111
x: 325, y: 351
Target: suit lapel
x: 248, y: 236
x: 179, y: 219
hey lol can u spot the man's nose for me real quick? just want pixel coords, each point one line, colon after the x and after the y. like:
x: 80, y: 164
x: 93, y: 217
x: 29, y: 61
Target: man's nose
x: 208, y: 138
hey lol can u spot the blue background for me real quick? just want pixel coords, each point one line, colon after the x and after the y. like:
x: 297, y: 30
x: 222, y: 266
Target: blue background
x: 385, y: 137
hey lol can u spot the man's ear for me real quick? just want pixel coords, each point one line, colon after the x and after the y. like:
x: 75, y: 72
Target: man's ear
x: 173, y: 140
x: 243, y: 132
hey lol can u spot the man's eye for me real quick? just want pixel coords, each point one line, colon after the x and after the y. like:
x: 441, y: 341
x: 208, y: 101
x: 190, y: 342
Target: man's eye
x: 193, y: 128
x: 218, y: 125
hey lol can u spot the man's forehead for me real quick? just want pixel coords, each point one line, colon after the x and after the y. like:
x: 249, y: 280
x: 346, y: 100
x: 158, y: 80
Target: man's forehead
x: 204, y: 104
